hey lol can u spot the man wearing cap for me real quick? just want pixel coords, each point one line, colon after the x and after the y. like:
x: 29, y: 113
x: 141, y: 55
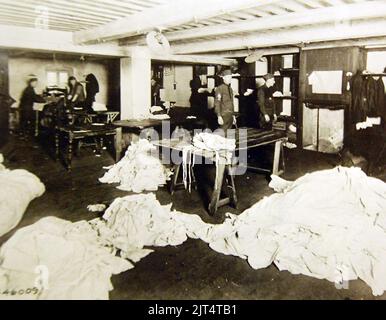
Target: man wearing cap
x: 223, y: 103
x: 28, y: 98
x: 266, y: 103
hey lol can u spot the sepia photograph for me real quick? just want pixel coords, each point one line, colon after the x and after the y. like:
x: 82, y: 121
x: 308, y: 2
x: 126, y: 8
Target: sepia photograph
x: 193, y: 154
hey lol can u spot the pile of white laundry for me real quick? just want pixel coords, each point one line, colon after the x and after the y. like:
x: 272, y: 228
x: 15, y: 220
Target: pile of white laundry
x: 58, y: 259
x: 329, y: 224
x: 138, y: 170
x: 17, y: 189
x: 136, y: 221
x: 221, y: 147
x: 213, y: 142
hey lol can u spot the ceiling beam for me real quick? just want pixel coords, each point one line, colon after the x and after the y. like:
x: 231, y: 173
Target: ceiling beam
x: 243, y: 53
x: 173, y: 13
x: 195, y: 59
x: 36, y: 40
x: 359, y: 29
x: 39, y: 40
x: 367, y: 42
x: 365, y: 10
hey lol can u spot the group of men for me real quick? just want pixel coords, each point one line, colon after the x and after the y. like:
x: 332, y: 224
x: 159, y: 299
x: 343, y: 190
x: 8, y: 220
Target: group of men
x: 223, y: 109
x: 75, y: 97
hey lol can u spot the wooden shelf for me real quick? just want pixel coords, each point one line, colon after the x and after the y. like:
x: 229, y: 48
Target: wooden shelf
x: 373, y: 74
x: 286, y: 118
x: 286, y: 97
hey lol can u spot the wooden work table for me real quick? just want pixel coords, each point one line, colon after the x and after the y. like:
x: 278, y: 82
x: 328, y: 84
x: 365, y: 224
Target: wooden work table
x: 253, y: 138
x: 67, y: 135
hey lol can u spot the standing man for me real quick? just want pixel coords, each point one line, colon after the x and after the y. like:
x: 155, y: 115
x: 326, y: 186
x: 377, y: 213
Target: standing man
x: 199, y: 101
x: 27, y: 100
x: 265, y: 102
x: 223, y: 103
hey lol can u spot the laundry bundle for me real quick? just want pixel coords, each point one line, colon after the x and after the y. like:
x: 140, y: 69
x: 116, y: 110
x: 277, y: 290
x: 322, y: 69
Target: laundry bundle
x: 136, y: 221
x: 17, y: 189
x: 329, y: 224
x: 213, y: 142
x: 138, y: 170
x: 215, y: 146
x: 57, y: 259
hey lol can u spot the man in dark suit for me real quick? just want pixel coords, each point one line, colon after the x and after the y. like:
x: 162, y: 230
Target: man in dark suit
x: 223, y: 102
x: 266, y: 103
x: 27, y: 100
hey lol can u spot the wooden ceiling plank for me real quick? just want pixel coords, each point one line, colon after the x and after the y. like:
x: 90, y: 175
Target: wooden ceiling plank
x: 347, y: 12
x: 52, y: 21
x: 357, y: 29
x: 11, y: 22
x: 65, y: 9
x: 274, y: 9
x: 85, y: 8
x: 171, y: 14
x: 117, y: 5
x: 294, y: 6
x: 64, y: 12
x: 312, y: 3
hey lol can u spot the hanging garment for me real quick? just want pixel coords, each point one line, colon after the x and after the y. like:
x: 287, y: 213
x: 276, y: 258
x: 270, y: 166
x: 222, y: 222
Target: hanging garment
x: 380, y: 99
x: 357, y: 97
x: 356, y: 112
x: 371, y: 95
x: 92, y: 88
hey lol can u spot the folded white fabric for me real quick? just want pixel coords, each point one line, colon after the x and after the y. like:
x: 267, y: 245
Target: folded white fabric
x: 17, y: 189
x: 57, y: 259
x: 138, y: 170
x: 329, y: 224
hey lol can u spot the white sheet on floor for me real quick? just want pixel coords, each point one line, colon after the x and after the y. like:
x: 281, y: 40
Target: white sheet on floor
x: 329, y: 224
x: 136, y: 221
x: 17, y: 189
x: 74, y: 262
x: 138, y: 170
x: 80, y: 258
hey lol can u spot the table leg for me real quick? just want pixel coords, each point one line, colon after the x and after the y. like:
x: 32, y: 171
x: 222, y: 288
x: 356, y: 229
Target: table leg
x: 217, y: 188
x: 69, y: 158
x: 231, y: 185
x: 36, y: 123
x: 276, y: 157
x: 56, y: 146
x: 173, y: 183
x: 118, y: 144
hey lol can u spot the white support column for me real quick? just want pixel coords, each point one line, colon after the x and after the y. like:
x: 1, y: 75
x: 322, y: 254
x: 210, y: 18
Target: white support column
x: 135, y: 84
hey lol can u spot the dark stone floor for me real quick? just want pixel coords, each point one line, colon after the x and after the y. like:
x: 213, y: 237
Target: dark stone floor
x: 191, y: 270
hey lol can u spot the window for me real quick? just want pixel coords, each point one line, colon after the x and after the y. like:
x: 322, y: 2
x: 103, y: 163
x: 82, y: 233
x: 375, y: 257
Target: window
x: 57, y: 78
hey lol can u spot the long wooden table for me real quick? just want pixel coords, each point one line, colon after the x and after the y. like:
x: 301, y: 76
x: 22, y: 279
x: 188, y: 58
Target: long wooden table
x: 253, y: 138
x: 72, y: 133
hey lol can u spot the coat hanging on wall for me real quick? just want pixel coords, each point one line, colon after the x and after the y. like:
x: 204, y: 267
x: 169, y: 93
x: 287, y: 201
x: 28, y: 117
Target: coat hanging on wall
x: 92, y: 88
